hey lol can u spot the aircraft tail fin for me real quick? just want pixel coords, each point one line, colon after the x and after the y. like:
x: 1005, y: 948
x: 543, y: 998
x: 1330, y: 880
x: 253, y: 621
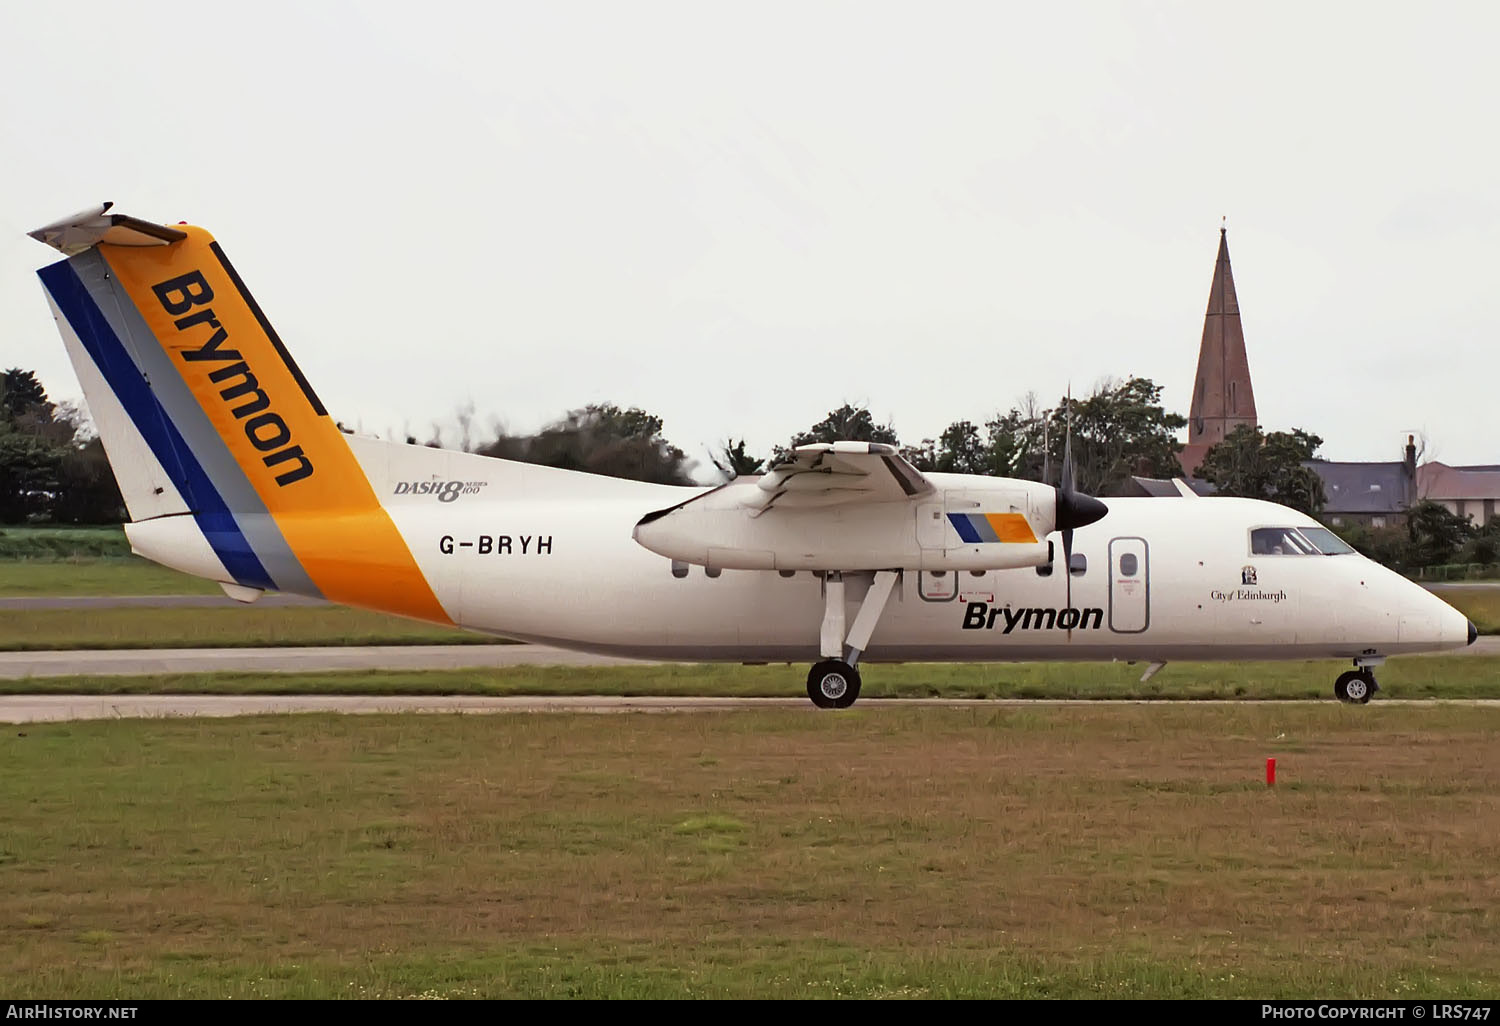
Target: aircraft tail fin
x: 207, y: 419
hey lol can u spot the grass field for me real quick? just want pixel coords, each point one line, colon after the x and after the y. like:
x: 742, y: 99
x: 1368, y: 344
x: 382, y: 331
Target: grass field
x: 62, y: 542
x: 1482, y: 605
x: 1116, y: 851
x: 39, y: 629
x: 124, y: 575
x: 1410, y: 677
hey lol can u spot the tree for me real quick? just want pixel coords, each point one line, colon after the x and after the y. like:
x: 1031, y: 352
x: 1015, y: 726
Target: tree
x: 1436, y: 534
x: 845, y: 424
x: 961, y: 451
x: 1485, y: 546
x: 29, y: 469
x: 923, y: 456
x: 1267, y: 466
x: 600, y: 439
x: 21, y: 393
x: 87, y: 491
x: 736, y: 462
x: 1118, y: 431
x: 52, y: 464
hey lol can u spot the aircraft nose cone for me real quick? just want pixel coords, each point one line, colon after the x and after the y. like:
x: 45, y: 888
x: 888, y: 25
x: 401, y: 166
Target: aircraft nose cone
x: 1473, y: 632
x: 1074, y: 510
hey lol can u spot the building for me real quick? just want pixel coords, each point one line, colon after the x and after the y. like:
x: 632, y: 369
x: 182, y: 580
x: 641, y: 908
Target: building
x: 1223, y: 398
x: 1472, y: 492
x: 1373, y: 494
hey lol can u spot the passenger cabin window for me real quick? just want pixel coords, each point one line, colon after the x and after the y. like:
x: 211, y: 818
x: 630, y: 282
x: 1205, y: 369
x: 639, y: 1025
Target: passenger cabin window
x: 1129, y: 565
x: 1080, y: 565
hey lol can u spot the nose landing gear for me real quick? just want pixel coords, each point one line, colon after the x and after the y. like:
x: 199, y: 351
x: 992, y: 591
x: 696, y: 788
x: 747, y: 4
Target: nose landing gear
x: 1356, y: 686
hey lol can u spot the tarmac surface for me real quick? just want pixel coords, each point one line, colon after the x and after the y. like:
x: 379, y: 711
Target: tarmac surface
x: 136, y: 661
x: 20, y: 709
x: 125, y: 662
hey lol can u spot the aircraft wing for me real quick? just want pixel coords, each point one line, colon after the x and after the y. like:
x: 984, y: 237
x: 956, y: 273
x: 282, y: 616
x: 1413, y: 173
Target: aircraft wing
x: 834, y: 473
x: 858, y: 506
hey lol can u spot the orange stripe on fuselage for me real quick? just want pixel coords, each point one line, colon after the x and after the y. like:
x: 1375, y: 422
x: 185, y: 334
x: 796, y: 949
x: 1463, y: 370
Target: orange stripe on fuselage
x: 295, y: 458
x: 1011, y: 527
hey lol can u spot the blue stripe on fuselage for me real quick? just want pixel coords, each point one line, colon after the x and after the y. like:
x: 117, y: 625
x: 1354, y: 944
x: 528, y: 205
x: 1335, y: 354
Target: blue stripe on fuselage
x: 965, y: 529
x: 124, y: 378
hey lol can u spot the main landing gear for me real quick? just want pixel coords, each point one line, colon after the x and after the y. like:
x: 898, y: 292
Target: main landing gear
x: 834, y: 682
x: 1356, y: 686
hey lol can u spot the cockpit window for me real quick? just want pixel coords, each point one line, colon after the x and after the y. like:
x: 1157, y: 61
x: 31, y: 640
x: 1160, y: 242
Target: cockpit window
x: 1327, y: 542
x: 1280, y: 541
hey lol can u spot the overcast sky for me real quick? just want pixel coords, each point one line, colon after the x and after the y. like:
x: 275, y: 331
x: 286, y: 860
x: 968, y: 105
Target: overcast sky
x: 739, y: 216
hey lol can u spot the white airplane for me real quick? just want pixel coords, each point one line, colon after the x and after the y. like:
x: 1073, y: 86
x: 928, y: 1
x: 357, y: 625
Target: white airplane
x: 233, y: 471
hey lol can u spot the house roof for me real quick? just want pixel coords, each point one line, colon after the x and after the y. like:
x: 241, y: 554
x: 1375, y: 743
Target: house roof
x: 1362, y: 488
x: 1439, y: 481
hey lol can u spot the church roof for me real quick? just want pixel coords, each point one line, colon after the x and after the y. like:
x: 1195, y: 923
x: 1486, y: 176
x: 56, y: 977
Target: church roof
x: 1223, y: 397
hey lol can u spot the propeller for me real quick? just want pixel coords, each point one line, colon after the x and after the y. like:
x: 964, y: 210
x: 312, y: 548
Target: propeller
x: 1074, y: 509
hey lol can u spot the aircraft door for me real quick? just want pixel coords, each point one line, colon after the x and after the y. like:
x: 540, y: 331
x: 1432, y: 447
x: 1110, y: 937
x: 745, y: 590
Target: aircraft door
x: 1129, y: 586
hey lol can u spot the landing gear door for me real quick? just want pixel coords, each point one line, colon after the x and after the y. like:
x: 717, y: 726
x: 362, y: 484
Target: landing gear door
x: 1129, y: 586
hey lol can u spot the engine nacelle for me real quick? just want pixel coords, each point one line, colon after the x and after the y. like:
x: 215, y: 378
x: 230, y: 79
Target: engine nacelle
x: 976, y: 524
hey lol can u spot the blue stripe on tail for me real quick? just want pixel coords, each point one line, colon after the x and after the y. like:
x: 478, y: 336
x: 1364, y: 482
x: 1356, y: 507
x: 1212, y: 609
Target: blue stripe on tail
x: 124, y: 378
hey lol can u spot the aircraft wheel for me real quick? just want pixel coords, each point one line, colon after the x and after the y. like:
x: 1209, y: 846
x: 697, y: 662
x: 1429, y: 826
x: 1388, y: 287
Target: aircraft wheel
x: 1354, y: 686
x: 833, y: 684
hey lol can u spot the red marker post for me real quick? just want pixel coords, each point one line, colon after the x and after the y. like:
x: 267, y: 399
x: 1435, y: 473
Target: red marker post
x: 1270, y: 772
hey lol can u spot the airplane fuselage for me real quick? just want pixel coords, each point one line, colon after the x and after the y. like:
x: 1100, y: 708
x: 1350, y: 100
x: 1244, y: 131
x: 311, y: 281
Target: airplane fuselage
x: 560, y: 574
x: 233, y: 471
x: 563, y: 569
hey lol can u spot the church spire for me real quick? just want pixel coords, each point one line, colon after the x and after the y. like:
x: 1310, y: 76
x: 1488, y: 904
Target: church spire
x: 1222, y: 396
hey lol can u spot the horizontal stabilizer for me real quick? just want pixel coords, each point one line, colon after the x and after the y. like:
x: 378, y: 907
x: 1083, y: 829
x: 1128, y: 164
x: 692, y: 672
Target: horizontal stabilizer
x: 90, y: 227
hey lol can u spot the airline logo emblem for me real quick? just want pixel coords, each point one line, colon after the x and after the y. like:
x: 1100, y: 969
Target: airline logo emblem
x: 236, y: 384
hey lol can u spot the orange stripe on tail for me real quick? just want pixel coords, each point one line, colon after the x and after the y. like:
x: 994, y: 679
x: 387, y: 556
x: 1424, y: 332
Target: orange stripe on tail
x: 275, y: 428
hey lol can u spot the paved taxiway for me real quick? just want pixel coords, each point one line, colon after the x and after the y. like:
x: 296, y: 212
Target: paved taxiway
x: 122, y: 662
x: 18, y: 709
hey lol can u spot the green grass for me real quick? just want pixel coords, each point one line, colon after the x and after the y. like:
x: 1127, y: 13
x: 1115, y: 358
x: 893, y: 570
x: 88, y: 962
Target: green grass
x: 1409, y: 677
x: 62, y: 542
x: 1098, y: 851
x: 213, y: 627
x: 1482, y: 605
x: 129, y: 575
